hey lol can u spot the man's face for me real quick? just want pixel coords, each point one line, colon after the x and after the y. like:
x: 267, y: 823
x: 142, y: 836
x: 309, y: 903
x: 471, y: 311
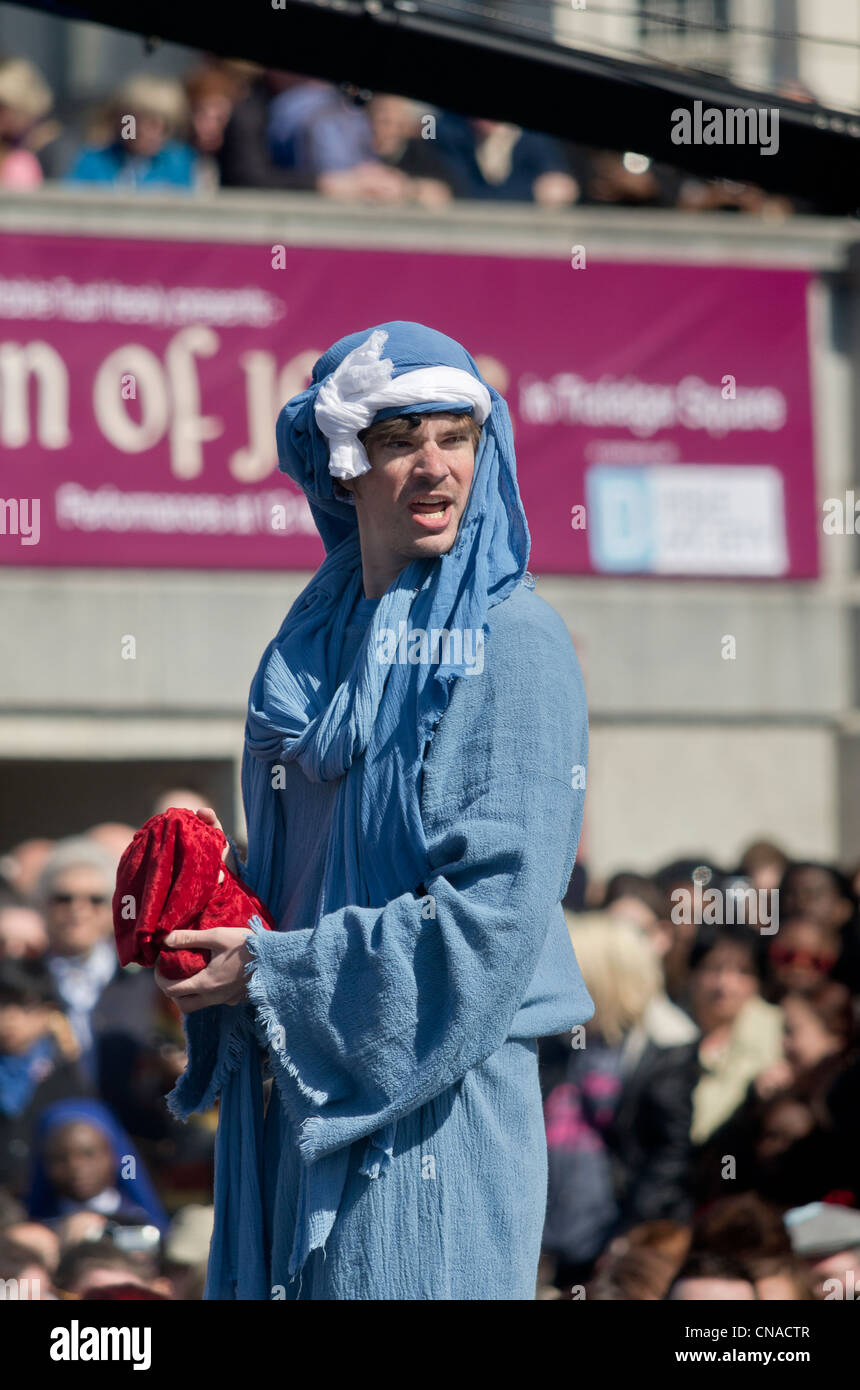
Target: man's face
x: 410, y: 504
x: 78, y: 914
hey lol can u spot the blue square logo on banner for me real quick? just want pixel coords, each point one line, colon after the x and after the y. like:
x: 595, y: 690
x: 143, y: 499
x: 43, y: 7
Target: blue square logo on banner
x: 620, y: 510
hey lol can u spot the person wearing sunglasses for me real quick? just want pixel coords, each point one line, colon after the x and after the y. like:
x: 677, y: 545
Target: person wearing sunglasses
x: 74, y: 893
x: 802, y: 956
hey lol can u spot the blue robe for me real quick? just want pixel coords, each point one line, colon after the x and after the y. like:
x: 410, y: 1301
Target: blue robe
x: 458, y: 1211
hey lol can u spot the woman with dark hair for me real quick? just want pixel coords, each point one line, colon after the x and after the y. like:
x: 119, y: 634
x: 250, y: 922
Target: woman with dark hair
x: 821, y: 893
x: 741, y: 1032
x: 786, y: 1137
x: 801, y: 1151
x: 820, y: 1038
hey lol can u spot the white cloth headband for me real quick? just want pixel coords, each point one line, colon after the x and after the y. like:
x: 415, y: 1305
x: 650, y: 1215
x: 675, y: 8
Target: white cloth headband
x: 364, y: 383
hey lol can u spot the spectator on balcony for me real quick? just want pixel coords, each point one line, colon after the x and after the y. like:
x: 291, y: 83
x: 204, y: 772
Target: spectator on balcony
x: 725, y: 195
x: 627, y: 180
x: 148, y: 118
x: 404, y: 139
x: 244, y: 158
x: 212, y: 92
x: 316, y: 130
x: 25, y: 100
x: 494, y: 160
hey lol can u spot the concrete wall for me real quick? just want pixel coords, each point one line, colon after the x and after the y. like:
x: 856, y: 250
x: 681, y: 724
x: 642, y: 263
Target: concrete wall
x: 687, y: 749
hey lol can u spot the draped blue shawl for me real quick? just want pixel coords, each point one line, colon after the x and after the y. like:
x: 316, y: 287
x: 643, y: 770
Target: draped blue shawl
x: 386, y: 712
x: 369, y: 734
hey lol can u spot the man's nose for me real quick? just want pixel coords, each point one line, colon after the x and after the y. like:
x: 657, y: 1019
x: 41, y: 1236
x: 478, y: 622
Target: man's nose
x: 430, y: 460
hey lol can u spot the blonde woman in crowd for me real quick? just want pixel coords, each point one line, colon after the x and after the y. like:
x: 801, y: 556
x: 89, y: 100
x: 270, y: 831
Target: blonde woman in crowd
x: 618, y: 1100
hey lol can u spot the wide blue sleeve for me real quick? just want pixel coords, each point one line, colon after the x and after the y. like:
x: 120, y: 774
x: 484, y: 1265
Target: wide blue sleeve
x: 371, y: 1012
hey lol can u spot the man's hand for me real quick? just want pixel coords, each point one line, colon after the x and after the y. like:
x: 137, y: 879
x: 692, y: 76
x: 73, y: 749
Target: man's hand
x: 223, y: 979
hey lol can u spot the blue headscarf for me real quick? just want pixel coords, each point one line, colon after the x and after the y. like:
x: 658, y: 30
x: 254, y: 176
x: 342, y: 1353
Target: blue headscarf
x: 375, y: 726
x: 44, y: 1202
x: 387, y: 712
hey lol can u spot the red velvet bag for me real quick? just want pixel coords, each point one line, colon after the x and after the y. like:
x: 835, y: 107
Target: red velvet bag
x: 167, y: 881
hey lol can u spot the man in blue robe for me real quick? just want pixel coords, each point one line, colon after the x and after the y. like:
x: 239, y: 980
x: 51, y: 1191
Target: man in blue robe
x: 413, y: 781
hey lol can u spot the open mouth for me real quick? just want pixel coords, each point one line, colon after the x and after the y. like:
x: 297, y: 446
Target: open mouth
x: 433, y: 514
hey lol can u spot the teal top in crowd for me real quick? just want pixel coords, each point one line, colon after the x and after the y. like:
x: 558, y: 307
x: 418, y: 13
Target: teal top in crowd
x: 412, y: 828
x: 173, y: 165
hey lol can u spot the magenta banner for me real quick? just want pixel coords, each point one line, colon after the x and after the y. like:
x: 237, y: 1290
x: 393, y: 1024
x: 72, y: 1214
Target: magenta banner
x: 662, y: 413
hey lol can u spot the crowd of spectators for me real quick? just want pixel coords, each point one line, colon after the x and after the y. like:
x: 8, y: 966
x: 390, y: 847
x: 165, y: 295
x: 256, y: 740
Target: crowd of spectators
x: 102, y: 1192
x: 703, y: 1129
x: 231, y: 124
